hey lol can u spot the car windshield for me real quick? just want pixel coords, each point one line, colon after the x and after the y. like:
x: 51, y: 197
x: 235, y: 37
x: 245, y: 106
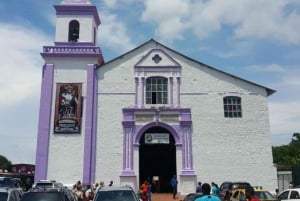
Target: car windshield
x: 240, y: 185
x: 264, y: 195
x: 6, y: 182
x: 42, y: 196
x: 44, y: 185
x: 3, y: 196
x: 115, y: 196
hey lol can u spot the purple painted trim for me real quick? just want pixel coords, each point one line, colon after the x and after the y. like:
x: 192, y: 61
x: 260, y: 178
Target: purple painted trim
x: 142, y: 68
x: 170, y: 128
x: 176, y: 64
x: 178, y: 91
x: 74, y: 44
x: 171, y: 91
x: 94, y: 137
x: 88, y: 142
x: 78, y: 10
x: 182, y: 133
x: 128, y: 113
x: 78, y: 50
x: 136, y: 92
x: 143, y: 92
x: 42, y: 151
x: 127, y: 170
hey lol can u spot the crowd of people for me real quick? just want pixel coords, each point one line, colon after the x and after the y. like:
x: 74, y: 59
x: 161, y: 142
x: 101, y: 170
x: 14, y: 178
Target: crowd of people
x: 212, y: 192
x: 87, y: 192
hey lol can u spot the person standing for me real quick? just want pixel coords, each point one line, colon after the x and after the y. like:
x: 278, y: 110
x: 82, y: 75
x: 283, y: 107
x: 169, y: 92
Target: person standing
x: 149, y: 191
x: 174, y: 184
x: 215, y: 189
x: 199, y: 188
x: 206, y: 194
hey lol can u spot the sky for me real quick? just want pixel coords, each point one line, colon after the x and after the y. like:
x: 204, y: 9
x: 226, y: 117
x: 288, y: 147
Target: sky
x: 257, y: 40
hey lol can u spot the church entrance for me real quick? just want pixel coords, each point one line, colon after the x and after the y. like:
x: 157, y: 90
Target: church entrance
x: 157, y: 159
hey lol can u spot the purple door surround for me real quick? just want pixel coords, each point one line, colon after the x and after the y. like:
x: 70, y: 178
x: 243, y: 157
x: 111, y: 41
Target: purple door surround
x: 181, y: 132
x: 41, y: 163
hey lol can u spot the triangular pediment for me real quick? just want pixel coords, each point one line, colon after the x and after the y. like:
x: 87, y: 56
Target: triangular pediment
x: 157, y: 58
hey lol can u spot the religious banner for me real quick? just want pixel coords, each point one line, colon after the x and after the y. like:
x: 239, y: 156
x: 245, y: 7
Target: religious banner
x: 67, y: 118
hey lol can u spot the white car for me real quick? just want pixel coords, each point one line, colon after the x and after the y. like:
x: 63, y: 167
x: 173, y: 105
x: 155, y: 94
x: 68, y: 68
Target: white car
x: 292, y: 194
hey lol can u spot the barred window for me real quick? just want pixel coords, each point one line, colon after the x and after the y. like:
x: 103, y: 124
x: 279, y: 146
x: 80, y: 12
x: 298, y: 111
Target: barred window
x: 156, y: 90
x: 232, y: 107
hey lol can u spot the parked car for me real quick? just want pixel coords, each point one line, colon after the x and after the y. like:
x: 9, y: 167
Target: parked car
x: 192, y: 196
x: 49, y: 194
x: 46, y: 184
x: 262, y: 194
x: 292, y: 194
x: 227, y: 187
x: 10, y: 182
x: 113, y: 193
x: 10, y: 194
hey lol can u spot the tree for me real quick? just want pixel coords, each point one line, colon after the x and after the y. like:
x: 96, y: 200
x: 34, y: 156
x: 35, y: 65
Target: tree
x: 5, y: 164
x: 288, y: 154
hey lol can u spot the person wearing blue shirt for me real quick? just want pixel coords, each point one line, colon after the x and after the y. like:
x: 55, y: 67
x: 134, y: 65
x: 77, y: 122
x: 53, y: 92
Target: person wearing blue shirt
x: 174, y: 183
x: 206, y: 194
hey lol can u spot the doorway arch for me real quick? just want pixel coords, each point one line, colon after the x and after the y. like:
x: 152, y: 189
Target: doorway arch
x: 157, y: 158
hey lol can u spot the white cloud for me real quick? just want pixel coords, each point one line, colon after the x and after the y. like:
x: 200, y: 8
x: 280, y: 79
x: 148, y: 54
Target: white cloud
x: 262, y: 19
x: 113, y: 34
x: 21, y: 64
x: 113, y: 4
x: 169, y: 16
x: 20, y: 84
x: 272, y: 68
x: 284, y: 120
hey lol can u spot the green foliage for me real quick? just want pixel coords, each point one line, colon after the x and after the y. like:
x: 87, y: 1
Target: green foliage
x: 288, y: 154
x: 5, y: 164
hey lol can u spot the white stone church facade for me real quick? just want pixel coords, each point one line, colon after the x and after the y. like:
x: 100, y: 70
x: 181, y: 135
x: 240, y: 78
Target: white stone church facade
x: 147, y: 114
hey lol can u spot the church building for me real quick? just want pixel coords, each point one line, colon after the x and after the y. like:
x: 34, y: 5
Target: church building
x: 148, y: 114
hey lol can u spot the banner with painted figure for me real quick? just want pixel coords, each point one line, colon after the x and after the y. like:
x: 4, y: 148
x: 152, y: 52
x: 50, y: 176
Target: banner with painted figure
x: 68, y: 105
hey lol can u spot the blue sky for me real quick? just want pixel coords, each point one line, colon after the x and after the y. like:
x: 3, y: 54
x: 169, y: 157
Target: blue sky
x: 258, y: 40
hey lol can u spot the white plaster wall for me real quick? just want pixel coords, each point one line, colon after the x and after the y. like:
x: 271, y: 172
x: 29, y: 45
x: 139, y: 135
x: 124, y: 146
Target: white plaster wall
x: 86, y: 28
x: 115, y: 91
x: 228, y: 148
x: 65, y: 161
x: 223, y: 149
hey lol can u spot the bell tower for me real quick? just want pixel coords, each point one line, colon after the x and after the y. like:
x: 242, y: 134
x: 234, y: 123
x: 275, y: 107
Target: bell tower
x: 77, y: 23
x: 69, y: 67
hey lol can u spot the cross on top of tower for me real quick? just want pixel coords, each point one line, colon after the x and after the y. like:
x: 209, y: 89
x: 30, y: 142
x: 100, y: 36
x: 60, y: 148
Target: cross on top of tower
x: 76, y: 2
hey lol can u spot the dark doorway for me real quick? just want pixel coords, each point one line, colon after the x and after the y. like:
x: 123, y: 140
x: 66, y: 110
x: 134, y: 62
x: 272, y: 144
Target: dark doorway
x: 157, y: 160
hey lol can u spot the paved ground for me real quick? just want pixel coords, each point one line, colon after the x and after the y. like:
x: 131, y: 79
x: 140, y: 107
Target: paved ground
x: 166, y: 197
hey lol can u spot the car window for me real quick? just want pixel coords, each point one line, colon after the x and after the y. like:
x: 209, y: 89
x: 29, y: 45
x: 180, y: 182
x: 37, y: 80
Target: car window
x: 294, y: 195
x: 242, y: 196
x: 44, y: 196
x: 264, y: 195
x: 224, y: 186
x: 3, y: 196
x: 236, y: 194
x: 115, y: 196
x: 44, y: 185
x: 284, y: 195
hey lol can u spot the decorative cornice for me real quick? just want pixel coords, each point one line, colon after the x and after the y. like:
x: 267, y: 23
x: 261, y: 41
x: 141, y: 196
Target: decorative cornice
x: 84, y: 51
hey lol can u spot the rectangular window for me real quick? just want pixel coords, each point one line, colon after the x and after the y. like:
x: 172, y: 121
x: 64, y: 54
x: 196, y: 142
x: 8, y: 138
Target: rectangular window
x: 157, y: 90
x: 232, y: 107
